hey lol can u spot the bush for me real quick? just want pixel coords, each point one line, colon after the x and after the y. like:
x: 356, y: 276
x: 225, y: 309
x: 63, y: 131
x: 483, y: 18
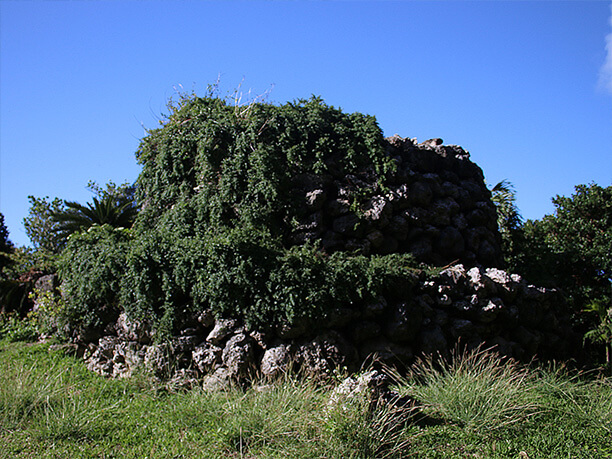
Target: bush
x: 249, y: 275
x: 14, y: 328
x: 218, y: 198
x: 91, y: 268
x: 238, y: 164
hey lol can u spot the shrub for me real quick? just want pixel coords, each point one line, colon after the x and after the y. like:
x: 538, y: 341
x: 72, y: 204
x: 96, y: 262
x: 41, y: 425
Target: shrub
x: 218, y: 196
x: 247, y: 274
x: 14, y: 328
x: 91, y: 269
x: 239, y: 165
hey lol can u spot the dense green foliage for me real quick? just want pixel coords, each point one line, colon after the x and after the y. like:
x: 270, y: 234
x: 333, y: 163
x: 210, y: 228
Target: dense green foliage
x: 12, y: 293
x: 114, y: 206
x: 6, y: 246
x: 570, y: 250
x: 217, y: 196
x: 572, y: 247
x: 168, y: 282
x: 41, y: 228
x: 49, y: 223
x: 509, y: 222
x: 91, y: 268
x: 236, y: 166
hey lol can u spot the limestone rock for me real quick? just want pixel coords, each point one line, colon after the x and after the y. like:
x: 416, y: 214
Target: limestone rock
x: 237, y: 354
x: 206, y: 356
x: 132, y: 330
x: 218, y: 381
x: 324, y: 353
x: 404, y: 324
x: 276, y: 360
x: 222, y: 329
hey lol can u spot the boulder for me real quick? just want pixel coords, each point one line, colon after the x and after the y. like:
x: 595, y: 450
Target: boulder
x: 206, y: 357
x: 238, y: 355
x: 276, y: 360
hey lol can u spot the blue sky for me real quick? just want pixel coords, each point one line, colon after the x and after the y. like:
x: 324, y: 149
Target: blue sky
x: 526, y: 87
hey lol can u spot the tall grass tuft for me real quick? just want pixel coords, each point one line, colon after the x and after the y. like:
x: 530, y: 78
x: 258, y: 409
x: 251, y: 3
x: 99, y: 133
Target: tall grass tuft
x: 476, y: 389
x: 586, y: 399
x: 359, y: 427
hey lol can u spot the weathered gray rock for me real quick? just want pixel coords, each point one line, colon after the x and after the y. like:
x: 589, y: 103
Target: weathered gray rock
x: 206, y: 318
x: 341, y: 317
x: 183, y: 378
x: 185, y: 343
x: 450, y: 243
x: 158, y: 359
x: 420, y: 194
x: 276, y: 360
x: 338, y: 207
x: 481, y: 283
x: 404, y: 324
x: 384, y: 351
x: 432, y: 340
x: 378, y: 210
x: 222, y: 329
x: 315, y: 199
x: 491, y: 310
x: 218, y: 381
x: 364, y: 387
x: 375, y: 308
x: 376, y: 238
x: 206, y: 357
x: 454, y: 274
x: 127, y: 357
x: 292, y: 331
x: 347, y: 225
x: 132, y: 330
x: 238, y: 355
x: 365, y: 330
x: 323, y: 354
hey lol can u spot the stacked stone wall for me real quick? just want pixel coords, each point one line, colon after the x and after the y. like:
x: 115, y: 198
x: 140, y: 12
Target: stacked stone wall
x: 435, y: 206
x: 459, y: 306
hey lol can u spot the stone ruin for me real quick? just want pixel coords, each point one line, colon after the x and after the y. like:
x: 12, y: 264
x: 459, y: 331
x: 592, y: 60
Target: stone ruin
x: 435, y: 206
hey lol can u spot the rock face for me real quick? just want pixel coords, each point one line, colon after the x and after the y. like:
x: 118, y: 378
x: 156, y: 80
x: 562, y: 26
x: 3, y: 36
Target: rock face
x: 470, y: 306
x: 435, y: 206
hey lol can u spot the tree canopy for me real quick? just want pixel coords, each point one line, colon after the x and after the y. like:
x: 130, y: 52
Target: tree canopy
x: 573, y: 246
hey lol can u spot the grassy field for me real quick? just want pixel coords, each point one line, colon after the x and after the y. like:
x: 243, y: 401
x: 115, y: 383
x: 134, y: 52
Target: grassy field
x: 52, y: 407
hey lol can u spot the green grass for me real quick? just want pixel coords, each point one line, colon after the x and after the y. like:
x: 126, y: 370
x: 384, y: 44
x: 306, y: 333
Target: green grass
x: 52, y: 407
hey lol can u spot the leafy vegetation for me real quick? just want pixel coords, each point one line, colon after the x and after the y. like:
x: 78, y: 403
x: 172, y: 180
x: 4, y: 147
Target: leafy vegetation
x: 52, y: 406
x: 509, y: 221
x: 41, y: 228
x: 237, y: 165
x: 573, y: 245
x: 91, y: 267
x: 569, y: 249
x: 6, y: 246
x: 218, y: 199
x: 13, y: 291
x: 114, y: 206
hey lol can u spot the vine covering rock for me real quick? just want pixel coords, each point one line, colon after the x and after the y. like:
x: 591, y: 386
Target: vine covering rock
x: 296, y: 234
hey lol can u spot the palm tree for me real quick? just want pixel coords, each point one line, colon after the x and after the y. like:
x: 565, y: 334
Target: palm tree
x: 503, y: 196
x: 509, y: 221
x: 114, y: 209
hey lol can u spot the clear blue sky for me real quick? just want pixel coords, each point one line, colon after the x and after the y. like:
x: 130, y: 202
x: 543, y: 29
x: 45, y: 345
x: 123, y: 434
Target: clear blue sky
x: 524, y: 86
